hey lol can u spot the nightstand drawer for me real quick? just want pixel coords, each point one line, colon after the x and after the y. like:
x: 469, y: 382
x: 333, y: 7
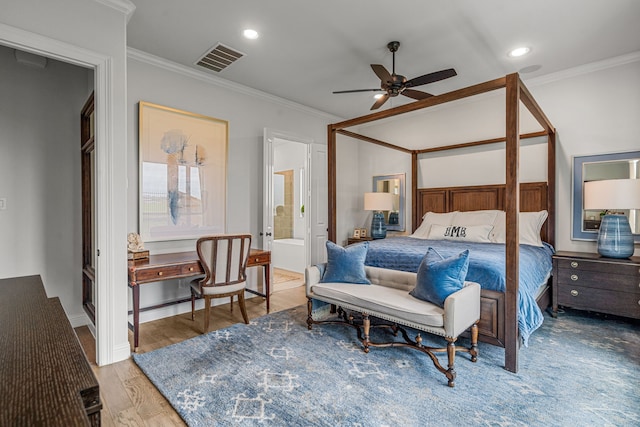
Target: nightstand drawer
x: 593, y: 279
x: 601, y: 300
x: 599, y: 266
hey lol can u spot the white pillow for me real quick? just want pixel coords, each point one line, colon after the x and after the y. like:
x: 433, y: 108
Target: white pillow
x: 530, y: 226
x: 476, y: 217
x: 431, y: 218
x: 461, y: 233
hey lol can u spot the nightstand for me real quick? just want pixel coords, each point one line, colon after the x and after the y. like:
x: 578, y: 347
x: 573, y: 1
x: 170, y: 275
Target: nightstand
x: 588, y: 281
x: 352, y: 240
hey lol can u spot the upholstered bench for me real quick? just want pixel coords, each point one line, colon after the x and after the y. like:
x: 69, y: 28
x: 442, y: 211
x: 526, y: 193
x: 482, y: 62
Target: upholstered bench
x: 388, y: 298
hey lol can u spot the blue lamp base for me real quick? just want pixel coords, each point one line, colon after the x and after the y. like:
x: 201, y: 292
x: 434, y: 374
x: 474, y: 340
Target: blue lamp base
x: 378, y: 227
x: 614, y: 238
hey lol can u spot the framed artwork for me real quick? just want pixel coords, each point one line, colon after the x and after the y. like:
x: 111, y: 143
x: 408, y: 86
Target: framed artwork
x: 183, y: 173
x: 363, y: 233
x: 356, y: 233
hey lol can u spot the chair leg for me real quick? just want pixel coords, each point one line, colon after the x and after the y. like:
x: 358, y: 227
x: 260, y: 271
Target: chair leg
x: 243, y: 308
x: 231, y: 304
x: 193, y: 305
x: 207, y: 312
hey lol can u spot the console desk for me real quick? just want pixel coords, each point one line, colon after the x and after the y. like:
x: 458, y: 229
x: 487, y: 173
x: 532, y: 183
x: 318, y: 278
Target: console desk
x: 46, y: 379
x: 181, y: 265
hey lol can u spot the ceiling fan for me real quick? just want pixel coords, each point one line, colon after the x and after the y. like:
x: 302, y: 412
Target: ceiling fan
x: 395, y: 84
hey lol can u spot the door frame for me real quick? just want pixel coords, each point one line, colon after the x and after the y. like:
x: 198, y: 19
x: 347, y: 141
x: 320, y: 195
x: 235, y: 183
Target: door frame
x: 112, y: 343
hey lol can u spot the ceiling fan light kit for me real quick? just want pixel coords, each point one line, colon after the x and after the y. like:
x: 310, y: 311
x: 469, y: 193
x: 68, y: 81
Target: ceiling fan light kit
x: 395, y: 84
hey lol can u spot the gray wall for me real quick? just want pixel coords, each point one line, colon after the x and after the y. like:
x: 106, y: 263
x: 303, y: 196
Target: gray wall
x: 40, y: 228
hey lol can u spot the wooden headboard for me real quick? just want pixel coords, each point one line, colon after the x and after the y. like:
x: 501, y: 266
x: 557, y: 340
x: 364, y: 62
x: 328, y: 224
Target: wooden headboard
x: 533, y: 198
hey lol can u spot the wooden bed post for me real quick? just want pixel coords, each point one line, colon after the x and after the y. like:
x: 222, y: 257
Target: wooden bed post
x: 331, y: 174
x: 551, y: 188
x: 512, y: 208
x: 414, y: 191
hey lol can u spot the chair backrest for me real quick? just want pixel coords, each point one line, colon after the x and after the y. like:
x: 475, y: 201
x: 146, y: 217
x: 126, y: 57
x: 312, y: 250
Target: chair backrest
x: 224, y: 258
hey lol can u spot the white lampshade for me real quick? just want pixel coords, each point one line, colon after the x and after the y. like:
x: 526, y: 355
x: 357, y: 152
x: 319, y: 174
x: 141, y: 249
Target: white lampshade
x: 378, y: 201
x: 612, y: 194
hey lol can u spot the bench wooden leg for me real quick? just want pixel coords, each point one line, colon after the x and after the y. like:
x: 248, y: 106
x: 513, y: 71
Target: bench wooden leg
x: 451, y: 356
x: 309, y: 317
x: 366, y: 325
x: 474, y: 342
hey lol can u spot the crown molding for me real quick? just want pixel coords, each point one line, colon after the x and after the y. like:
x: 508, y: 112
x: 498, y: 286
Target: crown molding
x: 584, y: 69
x: 159, y: 62
x: 124, y: 6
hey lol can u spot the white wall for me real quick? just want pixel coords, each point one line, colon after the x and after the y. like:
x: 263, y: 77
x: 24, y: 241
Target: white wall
x: 595, y: 109
x: 248, y: 113
x: 40, y: 175
x: 595, y: 112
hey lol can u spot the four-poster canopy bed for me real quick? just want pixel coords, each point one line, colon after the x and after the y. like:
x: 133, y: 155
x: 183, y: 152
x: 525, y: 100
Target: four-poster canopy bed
x: 499, y: 312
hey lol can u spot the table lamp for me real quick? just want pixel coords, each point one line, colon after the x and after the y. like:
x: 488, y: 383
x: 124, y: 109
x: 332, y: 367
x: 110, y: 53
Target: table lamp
x: 615, y: 239
x: 378, y: 202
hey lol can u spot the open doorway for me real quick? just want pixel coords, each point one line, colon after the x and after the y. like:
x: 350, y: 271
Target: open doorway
x: 286, y: 203
x: 111, y: 331
x: 288, y: 250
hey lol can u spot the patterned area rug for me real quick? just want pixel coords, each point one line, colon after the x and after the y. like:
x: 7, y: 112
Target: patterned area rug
x: 579, y: 370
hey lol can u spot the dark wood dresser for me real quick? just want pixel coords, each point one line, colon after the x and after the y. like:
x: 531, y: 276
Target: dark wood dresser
x: 45, y: 378
x: 588, y: 281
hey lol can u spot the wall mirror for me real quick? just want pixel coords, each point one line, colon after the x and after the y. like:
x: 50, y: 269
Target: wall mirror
x: 393, y: 184
x: 585, y: 224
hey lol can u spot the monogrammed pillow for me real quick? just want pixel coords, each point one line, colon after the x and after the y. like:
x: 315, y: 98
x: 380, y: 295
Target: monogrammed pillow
x: 461, y: 233
x: 429, y: 219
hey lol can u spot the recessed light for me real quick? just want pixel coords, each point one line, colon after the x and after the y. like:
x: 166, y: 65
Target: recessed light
x: 251, y: 34
x: 519, y: 51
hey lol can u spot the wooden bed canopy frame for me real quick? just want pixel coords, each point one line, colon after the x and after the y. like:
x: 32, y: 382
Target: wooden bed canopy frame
x: 509, y: 193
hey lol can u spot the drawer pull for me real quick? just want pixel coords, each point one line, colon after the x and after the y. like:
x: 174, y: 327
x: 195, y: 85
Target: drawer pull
x: 159, y: 273
x: 574, y: 264
x: 574, y: 293
x: 257, y: 259
x: 190, y: 268
x: 574, y: 277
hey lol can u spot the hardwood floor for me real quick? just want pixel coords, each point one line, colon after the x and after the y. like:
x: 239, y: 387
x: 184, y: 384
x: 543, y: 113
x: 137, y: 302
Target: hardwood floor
x: 128, y: 397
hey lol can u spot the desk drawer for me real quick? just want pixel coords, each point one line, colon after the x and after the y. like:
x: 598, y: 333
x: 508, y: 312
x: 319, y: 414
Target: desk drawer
x: 158, y: 273
x: 192, y: 269
x: 263, y: 258
x: 601, y: 300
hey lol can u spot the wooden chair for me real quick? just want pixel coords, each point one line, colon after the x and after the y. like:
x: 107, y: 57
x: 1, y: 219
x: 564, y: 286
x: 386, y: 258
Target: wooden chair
x: 224, y: 260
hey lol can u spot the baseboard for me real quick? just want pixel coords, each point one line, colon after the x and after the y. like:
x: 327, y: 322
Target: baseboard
x: 80, y: 319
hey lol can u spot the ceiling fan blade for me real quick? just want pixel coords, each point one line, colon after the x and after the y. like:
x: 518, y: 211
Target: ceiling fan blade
x: 382, y: 73
x: 380, y: 101
x: 431, y: 77
x: 416, y: 94
x: 358, y: 90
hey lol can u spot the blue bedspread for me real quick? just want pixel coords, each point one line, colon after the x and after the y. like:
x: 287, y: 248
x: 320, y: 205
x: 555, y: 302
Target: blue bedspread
x: 486, y: 267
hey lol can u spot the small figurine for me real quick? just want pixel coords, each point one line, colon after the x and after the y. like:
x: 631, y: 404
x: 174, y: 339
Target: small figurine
x: 134, y: 242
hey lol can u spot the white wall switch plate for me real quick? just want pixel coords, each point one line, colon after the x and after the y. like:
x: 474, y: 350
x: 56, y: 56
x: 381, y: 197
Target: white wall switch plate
x: 3, y: 203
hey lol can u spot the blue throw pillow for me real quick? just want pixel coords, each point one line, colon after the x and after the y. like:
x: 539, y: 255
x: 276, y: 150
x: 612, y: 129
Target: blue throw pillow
x: 346, y: 265
x: 439, y: 277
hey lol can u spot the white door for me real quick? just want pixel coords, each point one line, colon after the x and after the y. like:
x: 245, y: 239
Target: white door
x: 318, y: 198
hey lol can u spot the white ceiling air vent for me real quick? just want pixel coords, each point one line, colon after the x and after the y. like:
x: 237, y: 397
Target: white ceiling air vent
x: 219, y: 57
